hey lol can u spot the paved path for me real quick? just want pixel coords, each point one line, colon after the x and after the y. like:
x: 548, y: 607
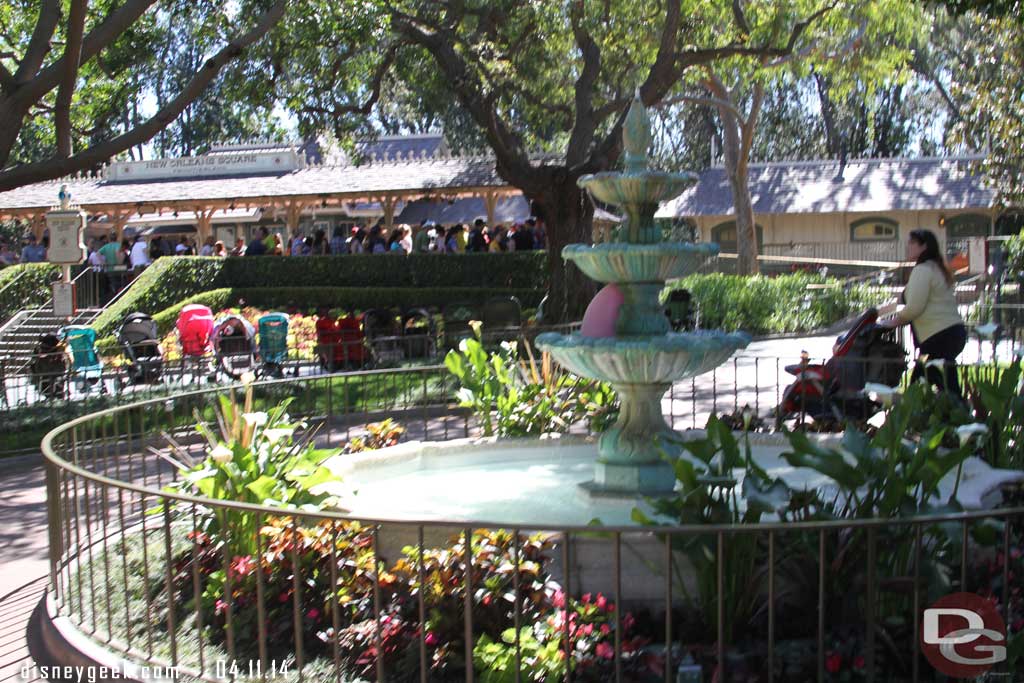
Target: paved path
x: 24, y: 566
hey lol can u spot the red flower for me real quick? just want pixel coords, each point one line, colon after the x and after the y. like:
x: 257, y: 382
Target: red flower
x: 833, y: 663
x: 858, y: 662
x: 601, y: 601
x: 604, y: 651
x: 313, y: 614
x: 430, y: 639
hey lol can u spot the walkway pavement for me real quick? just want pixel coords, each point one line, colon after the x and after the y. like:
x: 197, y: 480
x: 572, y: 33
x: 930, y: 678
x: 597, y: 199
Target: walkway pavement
x: 24, y: 566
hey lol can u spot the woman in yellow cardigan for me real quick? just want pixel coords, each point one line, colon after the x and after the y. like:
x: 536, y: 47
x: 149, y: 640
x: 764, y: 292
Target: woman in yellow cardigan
x: 929, y: 307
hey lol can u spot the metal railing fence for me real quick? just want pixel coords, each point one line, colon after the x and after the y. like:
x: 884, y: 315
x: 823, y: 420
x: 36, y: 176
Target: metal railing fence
x: 125, y: 565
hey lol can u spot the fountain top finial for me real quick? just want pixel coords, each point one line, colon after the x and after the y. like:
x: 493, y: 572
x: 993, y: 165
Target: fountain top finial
x: 636, y: 135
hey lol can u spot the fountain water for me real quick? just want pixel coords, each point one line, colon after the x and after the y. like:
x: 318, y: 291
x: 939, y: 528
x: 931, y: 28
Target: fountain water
x: 643, y: 358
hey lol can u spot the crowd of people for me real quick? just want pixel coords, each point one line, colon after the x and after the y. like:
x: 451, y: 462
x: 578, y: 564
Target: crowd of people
x: 30, y: 251
x: 426, y: 237
x: 135, y: 253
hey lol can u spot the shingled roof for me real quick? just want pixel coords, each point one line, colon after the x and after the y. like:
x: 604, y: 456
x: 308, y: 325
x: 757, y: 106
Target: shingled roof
x: 829, y: 186
x: 429, y: 176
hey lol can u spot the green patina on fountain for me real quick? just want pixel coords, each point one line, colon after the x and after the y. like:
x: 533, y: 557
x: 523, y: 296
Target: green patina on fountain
x: 644, y: 357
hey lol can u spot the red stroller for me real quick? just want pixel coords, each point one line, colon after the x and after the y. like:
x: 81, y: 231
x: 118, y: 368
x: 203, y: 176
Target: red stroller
x: 834, y: 390
x: 195, y: 335
x: 340, y: 343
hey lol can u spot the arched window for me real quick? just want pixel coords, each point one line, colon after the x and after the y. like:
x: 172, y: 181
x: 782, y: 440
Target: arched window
x: 874, y: 229
x: 725, y: 235
x: 968, y: 225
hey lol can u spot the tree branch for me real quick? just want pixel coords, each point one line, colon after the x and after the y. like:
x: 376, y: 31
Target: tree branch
x: 375, y: 86
x: 39, y: 44
x: 72, y: 57
x: 100, y: 153
x: 739, y: 16
x: 696, y: 99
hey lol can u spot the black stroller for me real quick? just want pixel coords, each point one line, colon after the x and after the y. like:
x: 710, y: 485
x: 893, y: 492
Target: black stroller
x: 49, y: 366
x: 140, y: 341
x: 234, y: 342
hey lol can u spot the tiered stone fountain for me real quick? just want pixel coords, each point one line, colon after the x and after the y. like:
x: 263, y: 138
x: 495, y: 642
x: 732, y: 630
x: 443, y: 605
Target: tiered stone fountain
x: 643, y: 357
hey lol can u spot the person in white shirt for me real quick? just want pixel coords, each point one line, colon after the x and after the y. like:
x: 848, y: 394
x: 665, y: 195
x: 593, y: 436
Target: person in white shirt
x: 139, y: 254
x: 97, y: 261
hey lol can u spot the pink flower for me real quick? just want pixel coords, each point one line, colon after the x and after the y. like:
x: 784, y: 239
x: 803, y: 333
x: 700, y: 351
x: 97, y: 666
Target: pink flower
x: 586, y: 598
x: 604, y: 651
x: 558, y: 599
x: 601, y: 601
x: 242, y: 565
x: 220, y: 606
x: 430, y: 639
x: 313, y: 614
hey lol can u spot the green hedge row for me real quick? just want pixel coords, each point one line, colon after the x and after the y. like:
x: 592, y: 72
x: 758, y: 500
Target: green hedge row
x: 167, y: 282
x: 523, y: 270
x: 775, y: 305
x: 26, y: 285
x: 363, y: 281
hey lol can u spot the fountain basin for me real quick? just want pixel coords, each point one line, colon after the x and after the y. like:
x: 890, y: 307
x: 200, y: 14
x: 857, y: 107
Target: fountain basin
x: 660, y: 359
x: 532, y: 483
x: 620, y: 262
x: 644, y: 187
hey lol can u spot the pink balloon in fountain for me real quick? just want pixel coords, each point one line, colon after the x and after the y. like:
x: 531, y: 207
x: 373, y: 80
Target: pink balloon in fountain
x: 602, y: 313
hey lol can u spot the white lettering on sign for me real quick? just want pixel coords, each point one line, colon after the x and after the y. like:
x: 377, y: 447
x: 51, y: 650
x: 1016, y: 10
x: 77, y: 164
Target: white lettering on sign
x: 218, y: 164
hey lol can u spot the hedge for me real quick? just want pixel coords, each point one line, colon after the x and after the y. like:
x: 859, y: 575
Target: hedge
x: 29, y: 287
x: 308, y: 299
x: 168, y: 281
x: 362, y: 281
x: 523, y: 270
x: 775, y: 305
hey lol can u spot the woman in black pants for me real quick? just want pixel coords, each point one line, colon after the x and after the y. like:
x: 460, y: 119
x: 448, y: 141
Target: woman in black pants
x: 929, y: 306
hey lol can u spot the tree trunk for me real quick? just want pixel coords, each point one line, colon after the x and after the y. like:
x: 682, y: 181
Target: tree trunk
x: 746, y: 227
x: 568, y: 216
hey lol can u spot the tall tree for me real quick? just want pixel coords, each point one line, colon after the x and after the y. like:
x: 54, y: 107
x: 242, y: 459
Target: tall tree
x: 991, y: 87
x: 102, y: 46
x: 552, y: 77
x: 844, y: 41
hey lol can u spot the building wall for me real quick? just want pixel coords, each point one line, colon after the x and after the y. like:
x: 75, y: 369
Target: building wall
x: 834, y: 228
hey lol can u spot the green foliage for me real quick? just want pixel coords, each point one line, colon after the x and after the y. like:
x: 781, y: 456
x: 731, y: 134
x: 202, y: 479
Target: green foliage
x: 378, y: 435
x: 216, y: 299
x: 357, y: 298
x: 1015, y: 257
x: 256, y: 459
x: 514, y: 399
x: 168, y: 281
x: 737, y: 302
x: 25, y: 286
x: 513, y: 270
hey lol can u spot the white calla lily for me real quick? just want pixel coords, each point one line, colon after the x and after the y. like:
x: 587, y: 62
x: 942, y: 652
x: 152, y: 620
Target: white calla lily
x: 880, y: 393
x: 257, y: 419
x: 221, y: 454
x: 969, y: 431
x: 277, y: 434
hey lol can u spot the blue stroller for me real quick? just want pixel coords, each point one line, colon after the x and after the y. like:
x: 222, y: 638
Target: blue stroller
x: 86, y: 368
x: 273, y: 328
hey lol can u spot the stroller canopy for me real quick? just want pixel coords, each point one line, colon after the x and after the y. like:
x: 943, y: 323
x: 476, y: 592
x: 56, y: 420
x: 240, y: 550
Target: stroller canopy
x: 82, y: 342
x: 273, y: 337
x: 233, y: 334
x: 138, y: 328
x: 195, y: 327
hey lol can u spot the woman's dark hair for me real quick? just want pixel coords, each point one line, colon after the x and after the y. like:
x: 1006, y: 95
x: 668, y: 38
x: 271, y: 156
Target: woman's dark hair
x: 928, y: 240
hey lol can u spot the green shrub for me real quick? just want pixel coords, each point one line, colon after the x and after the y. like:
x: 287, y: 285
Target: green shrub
x: 216, y: 299
x: 512, y: 270
x: 1015, y: 256
x: 168, y: 281
x: 762, y: 305
x: 25, y: 286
